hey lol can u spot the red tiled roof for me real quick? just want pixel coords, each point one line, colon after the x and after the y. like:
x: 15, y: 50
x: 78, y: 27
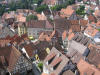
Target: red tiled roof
x: 64, y: 35
x: 30, y: 48
x: 50, y: 56
x: 86, y: 68
x: 36, y: 24
x: 44, y: 74
x: 70, y: 36
x: 67, y: 12
x: 92, y: 18
x: 56, y: 61
x: 83, y: 22
x: 11, y: 54
x: 76, y: 28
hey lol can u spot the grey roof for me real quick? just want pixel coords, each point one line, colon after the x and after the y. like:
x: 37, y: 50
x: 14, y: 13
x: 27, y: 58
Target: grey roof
x: 81, y: 38
x: 69, y: 72
x: 5, y: 32
x: 76, y: 51
x: 77, y: 46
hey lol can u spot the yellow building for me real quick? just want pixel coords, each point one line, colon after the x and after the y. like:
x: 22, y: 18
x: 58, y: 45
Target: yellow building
x: 22, y: 29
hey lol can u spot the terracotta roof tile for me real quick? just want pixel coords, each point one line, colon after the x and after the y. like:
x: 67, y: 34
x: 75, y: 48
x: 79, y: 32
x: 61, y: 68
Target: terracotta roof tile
x: 62, y: 24
x: 74, y: 22
x: 44, y: 74
x: 36, y: 24
x: 41, y: 17
x: 49, y: 2
x: 83, y: 22
x: 56, y: 61
x: 64, y: 35
x: 50, y: 56
x: 97, y: 13
x: 41, y: 47
x: 76, y: 28
x: 86, y: 68
x: 70, y: 36
x: 11, y: 54
x: 67, y: 12
x: 92, y: 18
x: 98, y: 24
x: 94, y: 55
x: 30, y: 49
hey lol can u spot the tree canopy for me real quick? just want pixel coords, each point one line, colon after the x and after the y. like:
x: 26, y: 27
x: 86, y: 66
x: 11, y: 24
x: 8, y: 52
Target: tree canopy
x: 2, y: 10
x: 41, y: 8
x: 81, y: 10
x: 31, y: 17
x: 59, y: 7
x: 37, y: 1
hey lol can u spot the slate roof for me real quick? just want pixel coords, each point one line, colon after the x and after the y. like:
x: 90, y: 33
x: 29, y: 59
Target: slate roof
x: 76, y: 51
x: 79, y: 37
x: 5, y: 32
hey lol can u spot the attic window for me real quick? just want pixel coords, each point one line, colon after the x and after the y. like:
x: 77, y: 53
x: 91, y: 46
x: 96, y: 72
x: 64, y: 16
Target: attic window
x: 55, y: 67
x: 49, y: 61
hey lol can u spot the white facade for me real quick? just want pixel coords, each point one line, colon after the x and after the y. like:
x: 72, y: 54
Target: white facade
x: 87, y: 35
x: 24, y: 51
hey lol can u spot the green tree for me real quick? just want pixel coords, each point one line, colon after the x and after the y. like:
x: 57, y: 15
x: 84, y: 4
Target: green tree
x: 56, y: 7
x: 59, y: 7
x: 12, y: 6
x: 81, y: 10
x: 41, y: 8
x: 40, y: 65
x: 79, y: 0
x: 2, y: 10
x: 70, y: 2
x: 31, y: 17
x: 37, y: 1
